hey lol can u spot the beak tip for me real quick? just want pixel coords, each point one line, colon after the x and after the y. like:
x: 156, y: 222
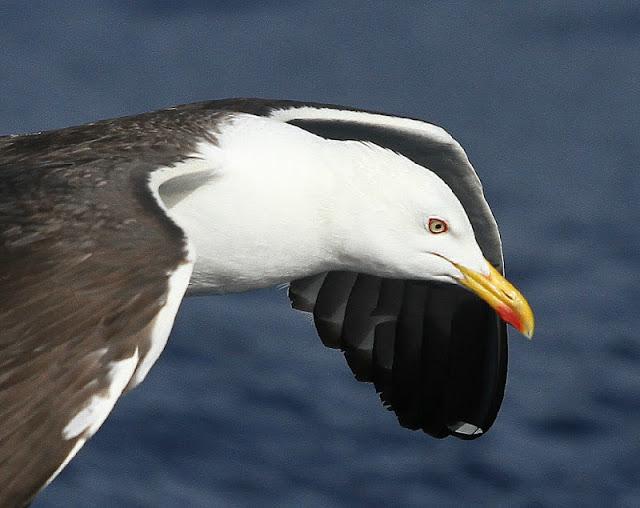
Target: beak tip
x: 500, y: 294
x: 527, y: 327
x: 528, y: 321
x: 523, y: 320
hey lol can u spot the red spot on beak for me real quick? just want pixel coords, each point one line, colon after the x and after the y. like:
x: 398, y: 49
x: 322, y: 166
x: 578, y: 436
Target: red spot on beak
x: 510, y: 316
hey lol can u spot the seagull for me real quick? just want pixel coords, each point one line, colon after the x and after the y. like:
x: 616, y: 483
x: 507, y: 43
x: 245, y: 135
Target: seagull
x: 377, y: 223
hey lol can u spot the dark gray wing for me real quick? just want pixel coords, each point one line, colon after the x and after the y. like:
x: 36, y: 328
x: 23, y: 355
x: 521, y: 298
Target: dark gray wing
x: 86, y: 257
x: 436, y: 353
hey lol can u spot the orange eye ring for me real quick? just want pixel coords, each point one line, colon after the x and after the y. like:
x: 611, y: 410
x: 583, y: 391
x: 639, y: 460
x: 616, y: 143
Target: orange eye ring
x: 437, y: 226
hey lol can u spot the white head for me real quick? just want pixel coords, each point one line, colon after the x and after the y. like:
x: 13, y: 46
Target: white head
x: 400, y: 220
x: 282, y: 204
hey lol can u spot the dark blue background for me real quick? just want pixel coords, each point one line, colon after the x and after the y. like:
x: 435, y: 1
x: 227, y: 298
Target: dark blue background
x: 246, y: 407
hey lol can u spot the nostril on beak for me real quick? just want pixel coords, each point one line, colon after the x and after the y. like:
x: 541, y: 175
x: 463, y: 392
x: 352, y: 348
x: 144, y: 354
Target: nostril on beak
x: 508, y: 294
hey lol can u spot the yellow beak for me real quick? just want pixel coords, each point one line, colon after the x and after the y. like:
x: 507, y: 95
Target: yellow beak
x: 505, y: 299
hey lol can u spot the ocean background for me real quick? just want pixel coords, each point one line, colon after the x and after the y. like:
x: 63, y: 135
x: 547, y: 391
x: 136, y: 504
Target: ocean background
x: 246, y: 407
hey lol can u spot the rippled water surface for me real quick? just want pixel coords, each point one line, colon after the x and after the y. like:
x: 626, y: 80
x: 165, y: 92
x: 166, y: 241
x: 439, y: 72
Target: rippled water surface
x: 245, y: 407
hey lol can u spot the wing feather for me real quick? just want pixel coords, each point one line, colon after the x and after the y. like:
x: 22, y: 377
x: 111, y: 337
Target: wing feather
x: 358, y: 329
x: 86, y: 260
x: 331, y: 305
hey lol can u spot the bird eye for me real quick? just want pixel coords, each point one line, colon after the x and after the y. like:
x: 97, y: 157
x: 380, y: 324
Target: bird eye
x: 437, y: 226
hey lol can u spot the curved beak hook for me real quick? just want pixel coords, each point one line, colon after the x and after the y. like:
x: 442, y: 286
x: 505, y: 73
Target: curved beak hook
x: 501, y: 295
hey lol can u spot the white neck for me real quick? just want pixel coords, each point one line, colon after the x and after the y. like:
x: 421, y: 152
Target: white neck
x: 271, y: 203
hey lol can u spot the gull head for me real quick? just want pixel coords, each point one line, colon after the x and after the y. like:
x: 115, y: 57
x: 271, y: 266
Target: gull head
x: 411, y: 225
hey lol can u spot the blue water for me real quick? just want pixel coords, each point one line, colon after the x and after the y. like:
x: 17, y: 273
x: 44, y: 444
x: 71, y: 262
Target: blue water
x: 245, y: 407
